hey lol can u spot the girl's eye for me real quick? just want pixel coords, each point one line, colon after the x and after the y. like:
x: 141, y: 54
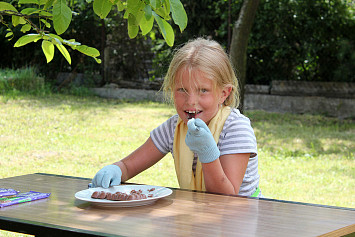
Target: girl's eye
x: 181, y: 90
x: 204, y: 90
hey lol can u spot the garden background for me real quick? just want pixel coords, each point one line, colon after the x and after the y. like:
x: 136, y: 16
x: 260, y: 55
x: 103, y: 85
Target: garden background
x: 62, y: 128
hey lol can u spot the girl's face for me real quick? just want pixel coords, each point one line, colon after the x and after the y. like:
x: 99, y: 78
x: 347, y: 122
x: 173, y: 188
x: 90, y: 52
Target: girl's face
x: 196, y: 96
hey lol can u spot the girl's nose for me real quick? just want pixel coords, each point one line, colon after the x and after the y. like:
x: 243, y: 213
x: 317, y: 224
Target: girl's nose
x: 192, y: 98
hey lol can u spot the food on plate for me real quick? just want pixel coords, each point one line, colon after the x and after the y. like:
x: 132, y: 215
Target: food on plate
x: 119, y: 196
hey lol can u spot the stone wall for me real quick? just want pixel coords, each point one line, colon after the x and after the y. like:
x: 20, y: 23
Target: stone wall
x: 327, y: 98
x: 331, y: 99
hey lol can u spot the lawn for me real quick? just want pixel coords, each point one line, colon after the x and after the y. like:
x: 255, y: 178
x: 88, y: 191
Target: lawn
x: 304, y: 158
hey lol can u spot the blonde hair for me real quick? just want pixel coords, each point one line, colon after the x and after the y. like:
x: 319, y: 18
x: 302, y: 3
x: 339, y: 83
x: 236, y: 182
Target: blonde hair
x: 209, y: 57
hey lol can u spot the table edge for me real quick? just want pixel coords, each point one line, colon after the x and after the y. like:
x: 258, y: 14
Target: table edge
x: 264, y: 199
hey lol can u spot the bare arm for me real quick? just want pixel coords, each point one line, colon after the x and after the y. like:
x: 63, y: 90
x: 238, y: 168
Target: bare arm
x: 139, y: 160
x: 225, y: 175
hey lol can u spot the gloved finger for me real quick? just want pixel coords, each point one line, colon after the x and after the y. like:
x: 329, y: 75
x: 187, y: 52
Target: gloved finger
x: 106, y: 179
x: 191, y: 125
x: 96, y: 181
x: 115, y: 181
x: 201, y: 124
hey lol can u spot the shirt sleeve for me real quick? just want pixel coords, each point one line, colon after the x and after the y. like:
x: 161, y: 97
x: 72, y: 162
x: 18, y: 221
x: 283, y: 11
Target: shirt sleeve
x: 237, y: 136
x: 163, y: 135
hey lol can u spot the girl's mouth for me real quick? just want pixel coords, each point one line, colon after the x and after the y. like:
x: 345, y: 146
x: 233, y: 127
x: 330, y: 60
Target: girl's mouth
x: 191, y: 114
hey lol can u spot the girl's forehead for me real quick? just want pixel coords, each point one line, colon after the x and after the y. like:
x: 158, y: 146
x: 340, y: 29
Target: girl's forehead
x: 195, y: 75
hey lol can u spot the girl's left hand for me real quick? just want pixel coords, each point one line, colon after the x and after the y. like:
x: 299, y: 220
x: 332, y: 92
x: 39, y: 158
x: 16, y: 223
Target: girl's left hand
x: 200, y: 140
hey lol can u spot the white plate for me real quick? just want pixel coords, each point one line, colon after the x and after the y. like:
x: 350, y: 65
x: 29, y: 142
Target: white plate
x: 159, y: 192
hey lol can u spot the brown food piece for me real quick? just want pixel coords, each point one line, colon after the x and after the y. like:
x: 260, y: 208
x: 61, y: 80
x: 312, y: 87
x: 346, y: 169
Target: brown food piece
x: 102, y: 195
x: 95, y: 194
x: 119, y: 196
x: 151, y: 190
x: 109, y: 196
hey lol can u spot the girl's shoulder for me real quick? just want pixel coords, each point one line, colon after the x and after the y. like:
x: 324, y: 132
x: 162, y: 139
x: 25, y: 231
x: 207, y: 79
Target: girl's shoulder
x: 236, y: 117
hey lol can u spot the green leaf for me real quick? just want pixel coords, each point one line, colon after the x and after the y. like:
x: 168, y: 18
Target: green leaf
x: 136, y: 8
x: 146, y: 24
x: 120, y: 5
x: 62, y: 16
x: 178, y: 13
x: 102, y: 8
x: 30, y: 11
x: 155, y: 3
x: 148, y: 12
x: 89, y: 51
x: 46, y: 23
x: 27, y: 39
x: 48, y: 50
x: 38, y: 2
x: 166, y: 30
x: 48, y: 4
x: 10, y: 34
x: 45, y: 14
x: 55, y: 39
x: 15, y: 19
x: 64, y: 52
x: 133, y: 28
x: 25, y: 28
x: 7, y: 6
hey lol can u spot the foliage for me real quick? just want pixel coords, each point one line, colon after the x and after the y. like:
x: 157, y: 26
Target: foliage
x: 40, y: 16
x: 302, y: 40
x: 290, y: 40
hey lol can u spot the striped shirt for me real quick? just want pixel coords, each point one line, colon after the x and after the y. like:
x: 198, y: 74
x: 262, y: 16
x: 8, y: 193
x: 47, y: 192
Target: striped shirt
x: 236, y: 137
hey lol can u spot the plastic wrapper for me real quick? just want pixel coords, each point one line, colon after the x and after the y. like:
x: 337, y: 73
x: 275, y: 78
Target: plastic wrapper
x: 21, y: 198
x: 7, y: 192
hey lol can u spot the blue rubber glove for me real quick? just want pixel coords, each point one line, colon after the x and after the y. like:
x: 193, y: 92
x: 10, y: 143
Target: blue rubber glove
x: 108, y: 176
x: 200, y: 140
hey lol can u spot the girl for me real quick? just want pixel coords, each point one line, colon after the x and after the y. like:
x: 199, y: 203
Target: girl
x: 213, y: 145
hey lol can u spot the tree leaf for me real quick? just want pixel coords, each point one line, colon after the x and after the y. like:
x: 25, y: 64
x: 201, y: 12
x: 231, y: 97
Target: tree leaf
x: 48, y: 4
x: 146, y: 25
x: 37, y: 2
x: 64, y: 52
x: 90, y: 51
x: 133, y: 28
x: 155, y: 3
x: 62, y: 16
x: 148, y: 12
x: 25, y: 28
x: 46, y: 23
x: 120, y: 5
x: 15, y: 19
x: 9, y: 34
x: 27, y: 39
x: 102, y: 8
x: 165, y: 29
x: 178, y: 13
x: 7, y: 6
x: 136, y: 8
x: 30, y: 11
x: 48, y: 50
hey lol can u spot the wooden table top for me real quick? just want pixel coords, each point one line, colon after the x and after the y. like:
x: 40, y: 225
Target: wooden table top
x: 183, y: 213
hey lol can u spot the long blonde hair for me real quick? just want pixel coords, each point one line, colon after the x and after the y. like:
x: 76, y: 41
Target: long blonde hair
x: 209, y: 57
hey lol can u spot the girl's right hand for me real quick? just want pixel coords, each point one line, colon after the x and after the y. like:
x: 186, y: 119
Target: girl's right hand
x: 109, y: 175
x: 200, y: 141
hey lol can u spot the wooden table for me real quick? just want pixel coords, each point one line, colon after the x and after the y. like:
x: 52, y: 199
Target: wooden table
x: 183, y: 213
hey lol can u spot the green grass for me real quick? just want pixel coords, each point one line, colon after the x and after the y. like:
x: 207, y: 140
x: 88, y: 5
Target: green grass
x: 302, y: 158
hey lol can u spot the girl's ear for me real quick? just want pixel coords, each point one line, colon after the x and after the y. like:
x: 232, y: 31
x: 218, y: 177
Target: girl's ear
x: 225, y: 93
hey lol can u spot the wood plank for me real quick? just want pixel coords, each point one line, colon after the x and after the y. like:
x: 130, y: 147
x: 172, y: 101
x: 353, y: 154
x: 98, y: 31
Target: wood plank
x: 181, y: 214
